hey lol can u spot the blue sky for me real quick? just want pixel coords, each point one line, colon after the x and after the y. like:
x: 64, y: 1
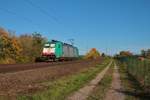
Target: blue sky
x: 108, y: 25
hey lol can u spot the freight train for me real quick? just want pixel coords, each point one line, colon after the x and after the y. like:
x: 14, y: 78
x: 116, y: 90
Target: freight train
x: 59, y: 51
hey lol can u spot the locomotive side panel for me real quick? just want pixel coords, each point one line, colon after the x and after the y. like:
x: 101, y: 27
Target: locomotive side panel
x: 65, y: 51
x: 58, y: 50
x: 68, y: 51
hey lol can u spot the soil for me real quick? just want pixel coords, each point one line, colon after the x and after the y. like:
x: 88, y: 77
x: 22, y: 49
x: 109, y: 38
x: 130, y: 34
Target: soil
x: 84, y: 92
x: 114, y: 93
x: 5, y: 68
x: 16, y: 79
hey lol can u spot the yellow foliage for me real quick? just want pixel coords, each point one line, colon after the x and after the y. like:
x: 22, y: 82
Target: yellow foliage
x: 7, y: 61
x: 10, y: 47
x: 25, y: 48
x: 92, y: 54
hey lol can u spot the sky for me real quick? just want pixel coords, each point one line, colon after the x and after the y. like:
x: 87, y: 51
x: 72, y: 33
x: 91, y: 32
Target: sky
x: 108, y: 25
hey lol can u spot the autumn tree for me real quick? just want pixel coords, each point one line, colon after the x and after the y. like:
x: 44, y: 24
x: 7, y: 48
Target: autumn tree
x: 26, y: 44
x: 125, y: 53
x: 9, y: 47
x: 32, y: 46
x: 92, y: 54
x: 22, y: 49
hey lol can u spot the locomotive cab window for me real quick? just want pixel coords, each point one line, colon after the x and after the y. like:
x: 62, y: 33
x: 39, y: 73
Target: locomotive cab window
x: 47, y: 45
x: 52, y: 45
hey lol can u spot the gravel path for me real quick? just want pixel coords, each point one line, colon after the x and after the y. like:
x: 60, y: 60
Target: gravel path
x: 113, y: 93
x: 84, y: 92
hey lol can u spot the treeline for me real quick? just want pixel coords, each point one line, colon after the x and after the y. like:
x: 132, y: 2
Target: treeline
x: 146, y: 53
x: 19, y: 49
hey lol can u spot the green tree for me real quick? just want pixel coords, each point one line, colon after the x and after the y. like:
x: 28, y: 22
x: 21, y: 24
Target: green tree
x: 38, y: 42
x: 145, y: 53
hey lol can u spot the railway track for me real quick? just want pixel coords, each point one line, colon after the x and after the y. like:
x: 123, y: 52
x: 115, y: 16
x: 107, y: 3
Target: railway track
x: 6, y: 68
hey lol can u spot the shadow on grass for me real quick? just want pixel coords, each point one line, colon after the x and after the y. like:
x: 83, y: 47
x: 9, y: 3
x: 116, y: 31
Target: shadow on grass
x: 136, y: 89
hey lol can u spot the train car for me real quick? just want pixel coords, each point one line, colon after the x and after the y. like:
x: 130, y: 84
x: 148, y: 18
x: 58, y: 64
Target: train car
x: 56, y: 50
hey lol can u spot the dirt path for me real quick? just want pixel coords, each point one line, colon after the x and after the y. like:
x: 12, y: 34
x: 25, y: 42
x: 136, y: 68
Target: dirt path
x: 113, y: 93
x: 84, y: 92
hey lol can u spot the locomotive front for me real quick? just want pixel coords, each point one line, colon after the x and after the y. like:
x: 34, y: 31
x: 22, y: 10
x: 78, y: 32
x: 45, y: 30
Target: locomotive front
x: 49, y: 50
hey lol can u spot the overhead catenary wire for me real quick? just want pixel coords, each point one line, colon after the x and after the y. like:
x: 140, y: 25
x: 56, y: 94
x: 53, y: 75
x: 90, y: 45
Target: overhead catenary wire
x: 21, y: 17
x: 43, y: 11
x: 40, y: 9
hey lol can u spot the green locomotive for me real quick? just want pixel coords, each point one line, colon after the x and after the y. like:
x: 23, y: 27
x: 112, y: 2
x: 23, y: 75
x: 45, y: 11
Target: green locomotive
x: 56, y: 50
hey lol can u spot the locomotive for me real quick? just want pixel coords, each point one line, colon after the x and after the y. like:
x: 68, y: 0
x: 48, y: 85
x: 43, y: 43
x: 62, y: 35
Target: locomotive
x: 57, y: 50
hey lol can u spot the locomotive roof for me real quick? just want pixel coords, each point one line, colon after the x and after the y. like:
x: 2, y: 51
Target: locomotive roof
x: 55, y: 41
x: 61, y: 42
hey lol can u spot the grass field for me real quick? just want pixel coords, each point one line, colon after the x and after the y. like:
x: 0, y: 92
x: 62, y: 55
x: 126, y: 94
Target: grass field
x: 60, y: 89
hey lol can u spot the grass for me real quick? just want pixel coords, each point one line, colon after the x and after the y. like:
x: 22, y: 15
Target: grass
x: 61, y: 88
x: 131, y: 87
x: 103, y: 86
x: 140, y: 69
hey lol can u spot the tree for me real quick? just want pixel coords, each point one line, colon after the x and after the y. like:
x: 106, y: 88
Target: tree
x: 38, y: 42
x: 10, y: 47
x: 3, y: 43
x: 148, y: 53
x: 92, y: 54
x: 125, y: 53
x: 145, y: 53
x: 24, y: 48
x: 15, y: 48
x: 32, y: 46
x: 103, y: 55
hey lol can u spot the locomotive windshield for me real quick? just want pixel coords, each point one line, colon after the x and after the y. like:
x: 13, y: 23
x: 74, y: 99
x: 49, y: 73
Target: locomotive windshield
x: 52, y: 45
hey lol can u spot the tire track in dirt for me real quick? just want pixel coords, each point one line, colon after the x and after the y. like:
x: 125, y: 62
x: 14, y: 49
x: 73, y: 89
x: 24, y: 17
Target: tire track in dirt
x: 84, y: 92
x: 114, y: 92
